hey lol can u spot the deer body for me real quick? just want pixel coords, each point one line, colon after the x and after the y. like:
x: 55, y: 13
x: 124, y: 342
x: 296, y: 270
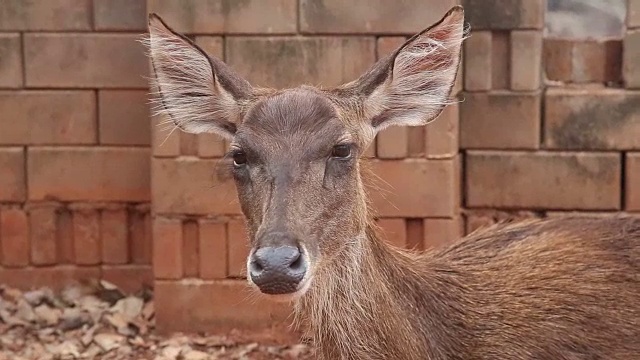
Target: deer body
x: 549, y: 289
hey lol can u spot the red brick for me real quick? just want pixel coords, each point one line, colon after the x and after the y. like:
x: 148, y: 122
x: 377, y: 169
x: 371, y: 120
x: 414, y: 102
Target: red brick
x: 85, y: 60
x: 370, y: 151
x: 92, y: 174
x: 53, y: 277
x: 165, y: 137
x: 54, y: 117
x: 434, y: 196
x: 14, y: 237
x: 167, y: 248
x: 546, y: 180
x: 238, y: 249
x: 128, y: 278
x: 211, y: 145
x: 212, y: 249
x: 505, y: 14
x: 415, y: 234
x: 596, y: 61
x: 388, y: 44
x: 592, y: 119
x: 12, y: 181
x: 630, y: 64
x: 442, y: 134
x: 42, y: 233
x: 65, y: 244
x: 188, y: 144
x: 45, y: 15
x: 11, y: 64
x: 124, y: 117
x: 526, y: 60
x: 114, y: 236
x: 289, y: 61
x: 394, y: 231
x: 370, y: 16
x: 500, y: 120
x: 632, y: 182
x: 214, y: 306
x: 439, y: 233
x: 86, y: 236
x: 192, y: 186
x: 190, y: 249
x: 477, y: 61
x: 633, y: 13
x: 140, y: 235
x: 120, y: 14
x: 393, y: 143
x: 228, y: 17
x: 212, y: 45
x: 416, y: 138
x: 558, y: 59
x: 500, y: 60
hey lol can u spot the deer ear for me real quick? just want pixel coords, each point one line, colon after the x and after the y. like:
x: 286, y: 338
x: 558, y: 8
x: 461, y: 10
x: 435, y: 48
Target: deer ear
x: 198, y: 93
x: 412, y: 85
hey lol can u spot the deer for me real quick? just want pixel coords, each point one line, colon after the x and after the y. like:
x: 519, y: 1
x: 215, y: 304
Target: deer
x: 550, y: 288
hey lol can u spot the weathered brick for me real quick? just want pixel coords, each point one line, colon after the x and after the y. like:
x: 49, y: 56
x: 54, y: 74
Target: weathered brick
x: 477, y: 61
x: 557, y: 55
x: 65, y: 245
x: 42, y: 234
x: 140, y: 235
x: 373, y: 16
x: 500, y: 120
x: 416, y: 138
x: 393, y: 143
x: 86, y: 236
x: 53, y: 277
x: 10, y: 60
x: 630, y: 64
x: 47, y: 117
x: 165, y: 137
x: 212, y: 45
x: 212, y: 249
x: 526, y: 60
x: 546, y: 180
x: 114, y: 236
x: 120, y: 14
x: 214, y: 306
x: 167, y: 248
x: 500, y: 60
x: 290, y: 61
x: 92, y: 174
x: 12, y: 181
x: 188, y: 144
x: 192, y: 186
x: 441, y: 137
x: 45, y: 15
x: 387, y: 44
x: 633, y: 13
x: 441, y: 232
x: 394, y: 231
x: 238, y: 245
x: 505, y: 14
x: 592, y: 119
x: 596, y: 61
x: 14, y: 237
x: 85, y: 60
x: 124, y: 117
x: 415, y: 234
x: 632, y: 182
x: 211, y: 145
x: 190, y: 249
x: 434, y: 197
x: 228, y: 17
x: 128, y: 278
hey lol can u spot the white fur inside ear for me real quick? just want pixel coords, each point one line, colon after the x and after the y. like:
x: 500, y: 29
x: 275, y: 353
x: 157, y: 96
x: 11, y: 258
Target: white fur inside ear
x: 185, y: 88
x: 423, y: 75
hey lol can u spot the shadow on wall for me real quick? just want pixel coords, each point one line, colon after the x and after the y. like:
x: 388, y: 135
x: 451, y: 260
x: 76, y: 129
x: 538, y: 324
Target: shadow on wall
x: 585, y: 18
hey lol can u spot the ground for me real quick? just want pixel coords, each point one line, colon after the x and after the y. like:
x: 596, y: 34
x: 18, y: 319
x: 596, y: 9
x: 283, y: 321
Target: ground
x: 98, y: 321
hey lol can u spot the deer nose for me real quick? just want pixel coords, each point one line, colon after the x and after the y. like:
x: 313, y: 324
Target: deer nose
x: 277, y: 270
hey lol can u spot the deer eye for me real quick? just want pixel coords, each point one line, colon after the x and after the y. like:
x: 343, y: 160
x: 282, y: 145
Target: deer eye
x: 239, y: 158
x: 342, y: 151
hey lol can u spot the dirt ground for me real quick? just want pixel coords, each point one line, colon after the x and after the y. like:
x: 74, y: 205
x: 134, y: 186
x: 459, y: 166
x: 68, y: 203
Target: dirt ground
x: 98, y: 321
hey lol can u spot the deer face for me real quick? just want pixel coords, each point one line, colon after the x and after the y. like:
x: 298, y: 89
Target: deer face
x: 294, y: 153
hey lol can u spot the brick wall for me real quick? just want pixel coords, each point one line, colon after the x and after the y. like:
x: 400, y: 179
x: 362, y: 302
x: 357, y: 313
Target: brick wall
x: 547, y: 127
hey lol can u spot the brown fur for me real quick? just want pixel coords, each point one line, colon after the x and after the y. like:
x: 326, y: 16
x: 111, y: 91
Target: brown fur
x: 547, y: 289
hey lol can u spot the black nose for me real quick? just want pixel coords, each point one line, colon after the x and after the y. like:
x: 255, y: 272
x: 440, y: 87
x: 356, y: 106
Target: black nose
x: 277, y: 270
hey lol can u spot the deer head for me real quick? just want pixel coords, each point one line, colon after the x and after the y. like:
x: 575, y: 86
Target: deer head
x: 294, y: 153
